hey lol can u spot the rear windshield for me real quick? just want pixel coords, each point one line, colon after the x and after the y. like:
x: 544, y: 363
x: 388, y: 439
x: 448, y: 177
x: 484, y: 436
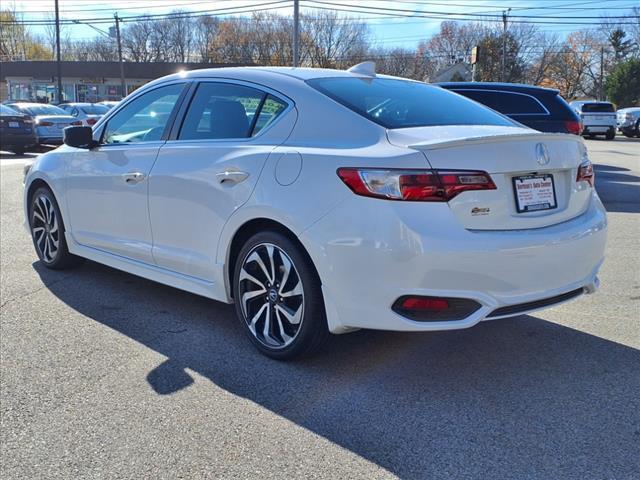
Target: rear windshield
x: 597, y: 107
x: 94, y: 109
x: 4, y: 110
x: 43, y: 110
x: 402, y: 104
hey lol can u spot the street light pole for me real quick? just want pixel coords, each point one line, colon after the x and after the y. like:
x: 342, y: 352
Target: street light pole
x: 505, y: 13
x: 58, y: 64
x: 122, y: 84
x: 296, y: 33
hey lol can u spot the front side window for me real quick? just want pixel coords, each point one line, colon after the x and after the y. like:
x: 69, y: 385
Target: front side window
x: 224, y: 110
x: 402, y: 103
x: 145, y: 118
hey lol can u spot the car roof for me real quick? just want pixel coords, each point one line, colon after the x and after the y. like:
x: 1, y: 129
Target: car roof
x: 32, y: 104
x: 499, y: 86
x: 79, y: 104
x: 300, y: 73
x: 591, y: 102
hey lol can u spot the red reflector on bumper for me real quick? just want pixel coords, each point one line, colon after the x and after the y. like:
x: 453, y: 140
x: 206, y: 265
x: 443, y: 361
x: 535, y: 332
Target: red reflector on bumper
x: 423, y: 303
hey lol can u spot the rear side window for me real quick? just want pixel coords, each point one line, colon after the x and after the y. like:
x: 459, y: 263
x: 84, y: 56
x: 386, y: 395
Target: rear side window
x: 224, y: 110
x: 597, y: 107
x: 401, y: 103
x: 509, y: 103
x: 271, y: 109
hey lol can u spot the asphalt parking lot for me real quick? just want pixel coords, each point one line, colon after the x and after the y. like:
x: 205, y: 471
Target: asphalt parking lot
x: 106, y: 375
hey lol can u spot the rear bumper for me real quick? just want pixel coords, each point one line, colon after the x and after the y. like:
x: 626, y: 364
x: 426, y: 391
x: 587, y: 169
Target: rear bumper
x: 9, y: 141
x: 382, y: 254
x: 598, y: 129
x: 50, y: 140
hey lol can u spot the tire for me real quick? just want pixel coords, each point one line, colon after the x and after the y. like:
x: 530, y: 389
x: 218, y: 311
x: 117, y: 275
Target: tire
x: 18, y: 151
x: 269, y: 312
x: 611, y: 135
x: 637, y: 129
x: 47, y: 231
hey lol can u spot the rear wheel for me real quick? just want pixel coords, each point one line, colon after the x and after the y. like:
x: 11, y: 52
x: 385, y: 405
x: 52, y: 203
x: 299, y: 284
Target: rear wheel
x: 637, y: 129
x: 47, y: 231
x: 18, y: 150
x: 611, y: 134
x: 278, y: 297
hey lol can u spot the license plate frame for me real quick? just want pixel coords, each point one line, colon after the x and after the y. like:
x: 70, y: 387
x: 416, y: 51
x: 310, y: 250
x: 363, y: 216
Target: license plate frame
x: 14, y: 124
x: 537, y: 198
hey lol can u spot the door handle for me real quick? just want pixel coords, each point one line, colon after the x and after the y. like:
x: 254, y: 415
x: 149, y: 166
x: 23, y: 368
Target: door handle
x: 230, y: 177
x: 133, y: 177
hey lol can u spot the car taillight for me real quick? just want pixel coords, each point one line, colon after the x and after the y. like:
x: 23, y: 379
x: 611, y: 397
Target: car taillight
x: 573, y: 126
x: 42, y: 123
x: 77, y: 123
x: 585, y: 173
x: 414, y: 185
x: 91, y: 121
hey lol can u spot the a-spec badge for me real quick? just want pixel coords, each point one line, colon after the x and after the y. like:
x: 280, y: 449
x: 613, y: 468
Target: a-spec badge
x: 480, y: 211
x: 542, y: 154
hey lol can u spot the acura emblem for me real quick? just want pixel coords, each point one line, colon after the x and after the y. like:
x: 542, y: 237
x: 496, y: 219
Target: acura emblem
x: 542, y: 154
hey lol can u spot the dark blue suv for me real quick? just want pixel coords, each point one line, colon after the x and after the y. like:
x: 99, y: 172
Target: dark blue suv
x: 542, y: 109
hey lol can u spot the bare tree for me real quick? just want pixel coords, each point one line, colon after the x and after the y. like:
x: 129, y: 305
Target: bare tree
x: 135, y: 41
x: 331, y: 39
x: 206, y: 30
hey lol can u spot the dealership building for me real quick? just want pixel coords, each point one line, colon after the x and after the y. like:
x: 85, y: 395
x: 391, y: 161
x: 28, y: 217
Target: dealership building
x: 82, y: 81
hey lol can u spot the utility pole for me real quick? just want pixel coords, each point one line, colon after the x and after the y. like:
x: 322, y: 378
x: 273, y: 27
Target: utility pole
x: 58, y: 64
x: 505, y: 13
x: 122, y: 84
x: 601, y: 89
x: 296, y: 33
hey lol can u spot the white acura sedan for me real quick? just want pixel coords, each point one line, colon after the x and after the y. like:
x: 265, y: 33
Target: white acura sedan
x: 323, y: 201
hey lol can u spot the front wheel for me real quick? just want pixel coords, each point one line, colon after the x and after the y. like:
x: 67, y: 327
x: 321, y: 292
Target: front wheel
x: 278, y: 298
x: 47, y: 231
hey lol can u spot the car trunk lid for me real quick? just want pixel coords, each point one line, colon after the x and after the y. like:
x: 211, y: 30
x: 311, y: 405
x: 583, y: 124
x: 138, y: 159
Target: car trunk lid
x: 517, y: 159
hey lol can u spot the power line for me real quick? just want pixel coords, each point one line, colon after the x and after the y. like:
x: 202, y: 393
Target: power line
x: 193, y: 14
x: 446, y: 16
x: 462, y: 14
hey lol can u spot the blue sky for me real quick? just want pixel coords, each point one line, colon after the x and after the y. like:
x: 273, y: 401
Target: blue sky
x: 402, y: 28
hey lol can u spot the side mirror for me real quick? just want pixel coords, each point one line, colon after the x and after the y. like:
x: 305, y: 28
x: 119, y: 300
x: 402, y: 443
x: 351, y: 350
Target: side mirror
x: 79, y: 137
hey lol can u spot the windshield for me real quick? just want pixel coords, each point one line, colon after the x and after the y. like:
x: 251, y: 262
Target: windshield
x: 401, y: 103
x: 36, y: 110
x: 94, y: 109
x: 597, y: 107
x: 4, y: 110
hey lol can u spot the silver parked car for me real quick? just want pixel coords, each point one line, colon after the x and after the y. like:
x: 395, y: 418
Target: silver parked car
x: 87, y: 113
x: 50, y: 121
x: 629, y: 121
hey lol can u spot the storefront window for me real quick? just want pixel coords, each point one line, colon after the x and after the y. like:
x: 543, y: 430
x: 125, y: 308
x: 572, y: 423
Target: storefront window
x: 87, y: 93
x: 19, y: 91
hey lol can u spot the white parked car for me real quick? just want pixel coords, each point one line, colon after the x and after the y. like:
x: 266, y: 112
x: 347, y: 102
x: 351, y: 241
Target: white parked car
x: 598, y: 118
x: 324, y: 201
x: 629, y: 121
x: 87, y: 113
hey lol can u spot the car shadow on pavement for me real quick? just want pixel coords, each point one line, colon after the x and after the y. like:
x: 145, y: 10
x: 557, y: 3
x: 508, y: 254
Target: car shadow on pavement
x: 518, y: 398
x: 618, y: 188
